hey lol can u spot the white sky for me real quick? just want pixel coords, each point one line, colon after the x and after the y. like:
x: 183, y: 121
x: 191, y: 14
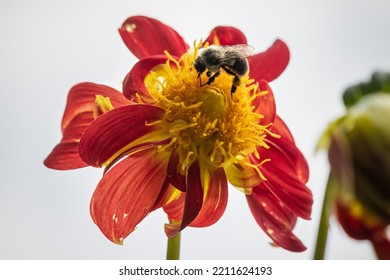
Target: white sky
x: 48, y: 46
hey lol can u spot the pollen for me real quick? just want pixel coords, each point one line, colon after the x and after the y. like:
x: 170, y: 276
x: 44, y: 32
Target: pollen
x: 207, y: 123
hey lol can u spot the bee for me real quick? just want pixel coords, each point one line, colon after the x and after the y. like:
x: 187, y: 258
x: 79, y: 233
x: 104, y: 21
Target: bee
x: 232, y: 59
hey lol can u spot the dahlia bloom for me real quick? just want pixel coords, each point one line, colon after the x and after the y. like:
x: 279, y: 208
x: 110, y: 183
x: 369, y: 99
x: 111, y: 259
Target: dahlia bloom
x: 359, y: 145
x: 169, y: 143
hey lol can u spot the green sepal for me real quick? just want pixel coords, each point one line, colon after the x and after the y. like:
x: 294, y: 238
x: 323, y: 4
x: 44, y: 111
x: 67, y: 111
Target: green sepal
x: 380, y: 82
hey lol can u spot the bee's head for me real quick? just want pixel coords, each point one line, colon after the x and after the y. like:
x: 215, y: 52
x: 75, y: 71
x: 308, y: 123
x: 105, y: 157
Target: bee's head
x: 200, y: 65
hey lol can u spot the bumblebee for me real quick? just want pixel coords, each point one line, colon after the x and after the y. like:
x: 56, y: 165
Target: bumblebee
x: 232, y: 59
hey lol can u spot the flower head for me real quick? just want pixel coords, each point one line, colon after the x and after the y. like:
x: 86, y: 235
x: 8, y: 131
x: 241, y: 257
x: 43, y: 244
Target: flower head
x: 359, y: 144
x: 172, y: 141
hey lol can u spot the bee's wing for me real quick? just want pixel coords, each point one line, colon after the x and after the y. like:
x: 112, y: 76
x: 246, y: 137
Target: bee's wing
x: 236, y: 52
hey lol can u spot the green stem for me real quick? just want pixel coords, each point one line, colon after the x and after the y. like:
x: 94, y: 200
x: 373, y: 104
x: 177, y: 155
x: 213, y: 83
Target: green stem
x: 173, y: 249
x: 322, y: 234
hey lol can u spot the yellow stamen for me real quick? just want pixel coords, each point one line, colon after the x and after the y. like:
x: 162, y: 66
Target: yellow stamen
x: 162, y: 148
x: 207, y: 121
x: 139, y: 99
x: 152, y: 137
x: 186, y: 161
x: 102, y: 105
x: 216, y: 39
x: 256, y: 168
x: 170, y: 58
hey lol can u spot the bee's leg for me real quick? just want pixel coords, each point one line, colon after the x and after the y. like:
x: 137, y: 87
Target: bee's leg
x: 236, y: 83
x: 212, y: 78
x: 233, y: 89
x: 200, y: 79
x: 236, y: 79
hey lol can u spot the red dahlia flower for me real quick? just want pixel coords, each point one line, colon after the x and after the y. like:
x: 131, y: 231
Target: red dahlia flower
x: 167, y: 142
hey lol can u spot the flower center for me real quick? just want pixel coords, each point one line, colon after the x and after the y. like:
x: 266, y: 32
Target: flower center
x: 207, y: 122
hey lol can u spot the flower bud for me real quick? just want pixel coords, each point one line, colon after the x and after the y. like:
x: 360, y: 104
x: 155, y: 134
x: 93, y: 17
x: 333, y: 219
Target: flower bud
x: 359, y: 155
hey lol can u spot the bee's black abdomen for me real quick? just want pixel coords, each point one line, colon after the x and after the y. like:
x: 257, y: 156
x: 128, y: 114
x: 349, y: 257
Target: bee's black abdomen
x: 240, y: 66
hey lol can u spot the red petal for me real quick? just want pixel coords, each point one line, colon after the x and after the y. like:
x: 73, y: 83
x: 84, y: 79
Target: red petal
x: 193, y: 202
x: 134, y: 80
x: 175, y: 178
x: 279, y: 127
x: 166, y: 193
x: 127, y: 193
x: 175, y: 208
x: 295, y: 195
x: 81, y: 98
x: 270, y: 64
x: 114, y: 130
x: 215, y: 201
x: 382, y: 249
x: 169, y: 197
x: 77, y: 117
x: 287, y: 153
x: 274, y: 218
x: 357, y: 229
x: 284, y: 172
x: 265, y: 105
x: 145, y: 36
x: 194, y: 195
x: 226, y: 35
x: 65, y: 155
x: 354, y: 227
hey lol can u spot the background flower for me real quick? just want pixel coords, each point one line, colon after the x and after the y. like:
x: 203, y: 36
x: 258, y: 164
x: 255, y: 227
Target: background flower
x: 359, y: 146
